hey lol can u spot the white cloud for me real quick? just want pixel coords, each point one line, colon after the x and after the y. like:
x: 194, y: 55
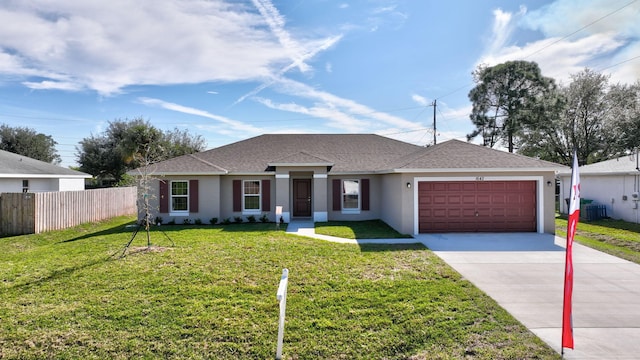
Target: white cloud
x: 276, y: 23
x: 560, y: 55
x: 502, y: 29
x: 349, y: 107
x: 106, y: 47
x: 230, y: 125
x: 420, y: 100
x: 322, y: 46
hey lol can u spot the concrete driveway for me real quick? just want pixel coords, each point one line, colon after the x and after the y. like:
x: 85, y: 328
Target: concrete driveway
x: 524, y: 273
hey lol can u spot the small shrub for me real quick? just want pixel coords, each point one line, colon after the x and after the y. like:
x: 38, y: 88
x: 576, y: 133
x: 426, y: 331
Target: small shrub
x: 197, y: 222
x: 158, y: 220
x: 213, y: 221
x: 237, y: 219
x: 172, y: 222
x: 226, y: 221
x: 251, y: 218
x: 264, y: 218
x: 186, y: 221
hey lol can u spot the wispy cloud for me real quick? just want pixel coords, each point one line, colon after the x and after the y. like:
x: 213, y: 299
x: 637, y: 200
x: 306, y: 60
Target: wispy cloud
x: 276, y: 77
x: 230, y: 124
x: 276, y: 23
x: 420, y: 100
x: 577, y: 34
x: 340, y: 113
x: 86, y: 45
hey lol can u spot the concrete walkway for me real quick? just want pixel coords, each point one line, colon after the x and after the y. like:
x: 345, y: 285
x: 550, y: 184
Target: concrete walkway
x: 524, y: 273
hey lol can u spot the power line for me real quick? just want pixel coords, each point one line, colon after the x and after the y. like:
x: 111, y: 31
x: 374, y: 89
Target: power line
x: 577, y: 31
x: 557, y: 41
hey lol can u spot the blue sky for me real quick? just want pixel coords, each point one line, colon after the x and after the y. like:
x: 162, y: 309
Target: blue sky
x: 230, y: 70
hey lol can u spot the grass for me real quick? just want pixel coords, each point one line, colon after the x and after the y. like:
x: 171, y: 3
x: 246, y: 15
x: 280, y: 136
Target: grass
x: 372, y: 229
x: 212, y: 296
x: 615, y: 237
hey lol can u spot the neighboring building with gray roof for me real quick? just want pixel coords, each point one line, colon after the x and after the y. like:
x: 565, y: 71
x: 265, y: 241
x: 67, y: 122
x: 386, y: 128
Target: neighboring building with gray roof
x: 450, y: 187
x: 19, y: 173
x: 613, y: 183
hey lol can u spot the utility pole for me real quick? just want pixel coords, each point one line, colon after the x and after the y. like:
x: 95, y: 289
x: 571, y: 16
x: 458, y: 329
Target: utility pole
x: 434, y: 122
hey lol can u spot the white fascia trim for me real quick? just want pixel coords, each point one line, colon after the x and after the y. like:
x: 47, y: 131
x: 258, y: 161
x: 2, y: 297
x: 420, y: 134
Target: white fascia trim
x: 320, y: 176
x: 43, y: 176
x: 474, y: 170
x: 539, y: 193
x: 300, y: 164
x: 169, y: 173
x: 282, y: 176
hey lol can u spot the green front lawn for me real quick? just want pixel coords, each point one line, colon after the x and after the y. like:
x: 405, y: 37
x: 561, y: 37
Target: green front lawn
x: 213, y: 296
x: 615, y: 237
x: 372, y: 229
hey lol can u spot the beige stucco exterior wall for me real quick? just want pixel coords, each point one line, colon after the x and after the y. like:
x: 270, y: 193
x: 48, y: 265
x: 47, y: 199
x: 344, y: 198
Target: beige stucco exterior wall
x: 226, y: 196
x: 390, y: 198
x: 375, y: 200
x: 208, y: 201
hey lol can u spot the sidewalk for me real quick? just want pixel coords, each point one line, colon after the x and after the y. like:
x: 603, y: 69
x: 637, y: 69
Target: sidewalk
x: 524, y: 273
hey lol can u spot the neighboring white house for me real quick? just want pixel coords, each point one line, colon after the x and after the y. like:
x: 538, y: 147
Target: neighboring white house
x: 23, y: 174
x: 613, y: 183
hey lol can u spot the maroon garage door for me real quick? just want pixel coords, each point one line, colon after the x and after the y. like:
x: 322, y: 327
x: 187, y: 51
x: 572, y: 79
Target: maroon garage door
x: 472, y: 206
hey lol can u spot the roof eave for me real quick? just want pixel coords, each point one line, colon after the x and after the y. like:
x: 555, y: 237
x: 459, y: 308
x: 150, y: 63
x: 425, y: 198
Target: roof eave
x: 467, y: 170
x: 44, y: 176
x: 301, y: 164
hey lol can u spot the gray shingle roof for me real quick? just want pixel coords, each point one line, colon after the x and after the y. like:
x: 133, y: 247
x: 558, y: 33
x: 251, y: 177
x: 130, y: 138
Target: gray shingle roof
x: 621, y: 165
x: 13, y: 165
x: 456, y: 154
x: 345, y: 153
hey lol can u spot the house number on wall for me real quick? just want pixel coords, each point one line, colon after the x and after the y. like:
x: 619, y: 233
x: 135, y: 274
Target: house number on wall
x: 479, y: 178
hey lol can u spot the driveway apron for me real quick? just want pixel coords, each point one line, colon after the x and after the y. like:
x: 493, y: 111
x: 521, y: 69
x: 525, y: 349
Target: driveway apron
x: 524, y: 273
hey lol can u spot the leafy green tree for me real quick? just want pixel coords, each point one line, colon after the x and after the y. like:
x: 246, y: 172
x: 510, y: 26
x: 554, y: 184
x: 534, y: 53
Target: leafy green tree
x: 507, y: 97
x: 623, y: 125
x: 28, y: 142
x: 598, y: 120
x: 128, y: 144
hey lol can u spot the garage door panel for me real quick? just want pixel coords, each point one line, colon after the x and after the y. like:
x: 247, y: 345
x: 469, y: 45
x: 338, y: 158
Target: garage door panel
x: 483, y: 199
x: 454, y: 199
x: 470, y: 206
x: 469, y: 199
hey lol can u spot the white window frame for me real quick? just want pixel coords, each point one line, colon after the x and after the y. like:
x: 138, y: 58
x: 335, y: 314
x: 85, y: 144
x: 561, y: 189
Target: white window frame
x: 343, y: 193
x: 172, y: 211
x: 257, y: 211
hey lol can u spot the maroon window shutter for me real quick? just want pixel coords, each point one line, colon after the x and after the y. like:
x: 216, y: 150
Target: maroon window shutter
x: 164, y: 196
x: 237, y: 195
x: 337, y: 203
x: 266, y: 195
x: 193, y: 195
x: 365, y: 194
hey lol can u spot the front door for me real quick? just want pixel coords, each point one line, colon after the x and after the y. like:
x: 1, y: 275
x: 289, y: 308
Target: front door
x: 302, y: 197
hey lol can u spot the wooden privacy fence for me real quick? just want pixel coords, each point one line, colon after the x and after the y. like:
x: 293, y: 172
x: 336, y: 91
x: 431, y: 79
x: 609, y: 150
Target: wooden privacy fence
x: 29, y: 213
